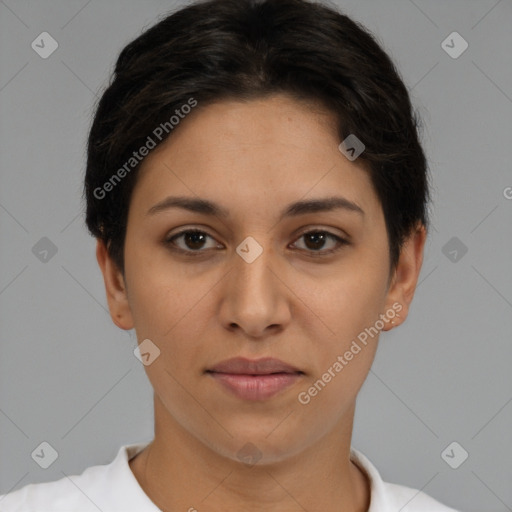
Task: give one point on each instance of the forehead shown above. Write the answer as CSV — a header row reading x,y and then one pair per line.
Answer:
x,y
235,126
274,148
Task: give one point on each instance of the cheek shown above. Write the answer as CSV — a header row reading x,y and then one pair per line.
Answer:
x,y
171,309
156,292
349,300
348,306
344,353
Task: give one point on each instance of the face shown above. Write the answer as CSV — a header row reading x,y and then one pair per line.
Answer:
x,y
259,278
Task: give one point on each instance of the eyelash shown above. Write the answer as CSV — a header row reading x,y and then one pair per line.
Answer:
x,y
340,241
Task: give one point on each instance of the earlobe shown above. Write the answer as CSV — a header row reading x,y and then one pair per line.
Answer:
x,y
405,278
115,288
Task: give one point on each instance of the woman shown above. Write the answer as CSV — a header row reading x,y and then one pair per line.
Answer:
x,y
259,197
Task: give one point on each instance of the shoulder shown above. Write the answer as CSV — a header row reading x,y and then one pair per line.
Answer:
x,y
101,487
407,499
67,493
388,497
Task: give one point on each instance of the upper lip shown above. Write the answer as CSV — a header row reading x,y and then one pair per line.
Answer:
x,y
263,366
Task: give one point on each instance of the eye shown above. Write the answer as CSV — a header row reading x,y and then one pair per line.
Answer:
x,y
193,240
316,240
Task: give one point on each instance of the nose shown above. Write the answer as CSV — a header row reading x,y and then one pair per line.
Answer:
x,y
255,299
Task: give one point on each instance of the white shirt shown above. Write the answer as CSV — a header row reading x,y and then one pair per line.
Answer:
x,y
114,488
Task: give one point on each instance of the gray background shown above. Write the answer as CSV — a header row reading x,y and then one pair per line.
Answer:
x,y
68,375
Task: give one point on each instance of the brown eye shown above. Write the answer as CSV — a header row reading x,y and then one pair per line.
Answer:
x,y
316,241
192,240
195,242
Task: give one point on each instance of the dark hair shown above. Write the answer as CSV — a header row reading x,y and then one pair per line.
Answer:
x,y
247,49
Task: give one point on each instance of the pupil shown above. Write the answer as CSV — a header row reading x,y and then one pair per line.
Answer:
x,y
318,240
194,240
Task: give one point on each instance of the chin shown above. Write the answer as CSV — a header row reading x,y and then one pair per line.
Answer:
x,y
254,445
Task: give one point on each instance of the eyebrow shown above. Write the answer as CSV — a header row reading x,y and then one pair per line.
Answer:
x,y
207,207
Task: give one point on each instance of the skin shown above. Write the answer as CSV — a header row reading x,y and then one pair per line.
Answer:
x,y
254,159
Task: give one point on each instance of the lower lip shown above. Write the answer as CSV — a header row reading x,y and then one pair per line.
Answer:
x,y
256,387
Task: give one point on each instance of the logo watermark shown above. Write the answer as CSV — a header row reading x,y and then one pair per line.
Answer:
x,y
304,397
137,156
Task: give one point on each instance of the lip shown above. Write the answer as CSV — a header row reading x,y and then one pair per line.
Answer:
x,y
257,379
263,366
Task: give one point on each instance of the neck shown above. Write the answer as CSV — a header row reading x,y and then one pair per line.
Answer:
x,y
179,472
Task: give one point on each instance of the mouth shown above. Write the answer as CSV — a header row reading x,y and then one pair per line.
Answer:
x,y
263,366
255,379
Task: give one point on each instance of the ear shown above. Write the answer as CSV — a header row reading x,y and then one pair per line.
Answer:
x,y
115,287
405,277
